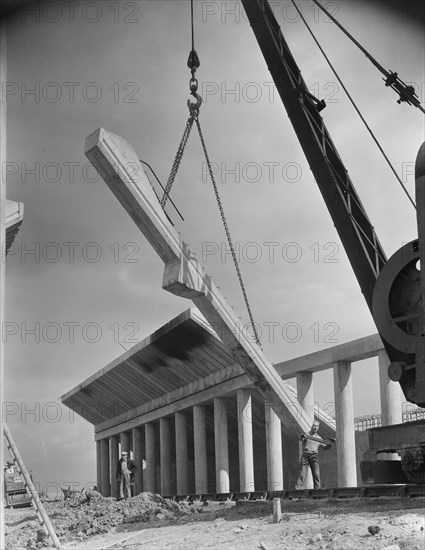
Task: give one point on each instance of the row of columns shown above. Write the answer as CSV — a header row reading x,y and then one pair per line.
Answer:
x,y
391,411
108,449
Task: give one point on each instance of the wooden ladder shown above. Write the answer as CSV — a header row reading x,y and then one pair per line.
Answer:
x,y
36,502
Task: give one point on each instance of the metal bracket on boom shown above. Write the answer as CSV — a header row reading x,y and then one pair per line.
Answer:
x,y
406,92
320,103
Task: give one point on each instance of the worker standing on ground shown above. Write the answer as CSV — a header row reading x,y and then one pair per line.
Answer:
x,y
310,457
125,469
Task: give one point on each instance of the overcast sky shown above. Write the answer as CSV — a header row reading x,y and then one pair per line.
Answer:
x,y
122,65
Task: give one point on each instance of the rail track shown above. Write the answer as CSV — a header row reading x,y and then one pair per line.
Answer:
x,y
373,491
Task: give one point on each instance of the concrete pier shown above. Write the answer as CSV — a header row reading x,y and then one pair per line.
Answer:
x,y
203,427
114,456
138,454
390,392
344,414
165,455
149,480
104,468
221,446
273,450
181,453
305,397
98,466
246,452
200,449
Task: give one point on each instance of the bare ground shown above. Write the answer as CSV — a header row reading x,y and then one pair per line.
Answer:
x,y
154,523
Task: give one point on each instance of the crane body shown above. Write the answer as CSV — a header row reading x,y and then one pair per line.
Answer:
x,y
394,290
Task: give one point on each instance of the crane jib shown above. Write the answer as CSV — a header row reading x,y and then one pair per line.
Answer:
x,y
355,230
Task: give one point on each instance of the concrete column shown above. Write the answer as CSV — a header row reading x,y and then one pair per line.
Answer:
x,y
305,397
138,448
181,453
104,468
305,393
150,471
114,457
273,450
200,449
391,400
221,446
344,416
98,466
246,452
125,442
165,455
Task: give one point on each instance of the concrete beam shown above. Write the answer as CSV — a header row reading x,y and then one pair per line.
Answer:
x,y
231,379
119,166
356,350
175,401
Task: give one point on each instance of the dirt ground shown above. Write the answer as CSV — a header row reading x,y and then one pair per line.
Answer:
x,y
150,522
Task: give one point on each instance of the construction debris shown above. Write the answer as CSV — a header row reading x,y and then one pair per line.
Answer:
x,y
89,514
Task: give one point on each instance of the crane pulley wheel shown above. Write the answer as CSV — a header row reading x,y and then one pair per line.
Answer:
x,y
397,299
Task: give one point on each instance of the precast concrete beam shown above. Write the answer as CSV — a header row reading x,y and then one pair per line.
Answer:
x,y
119,166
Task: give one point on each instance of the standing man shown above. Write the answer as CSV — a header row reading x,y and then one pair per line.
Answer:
x,y
310,457
125,469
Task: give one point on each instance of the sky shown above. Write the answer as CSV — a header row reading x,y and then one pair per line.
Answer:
x,y
83,285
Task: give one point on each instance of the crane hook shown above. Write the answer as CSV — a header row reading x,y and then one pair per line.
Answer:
x,y
194,107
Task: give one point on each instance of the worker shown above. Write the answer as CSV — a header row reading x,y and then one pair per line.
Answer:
x,y
310,457
125,470
10,467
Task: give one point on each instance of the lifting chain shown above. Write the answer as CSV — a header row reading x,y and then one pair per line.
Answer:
x,y
229,239
193,63
177,160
